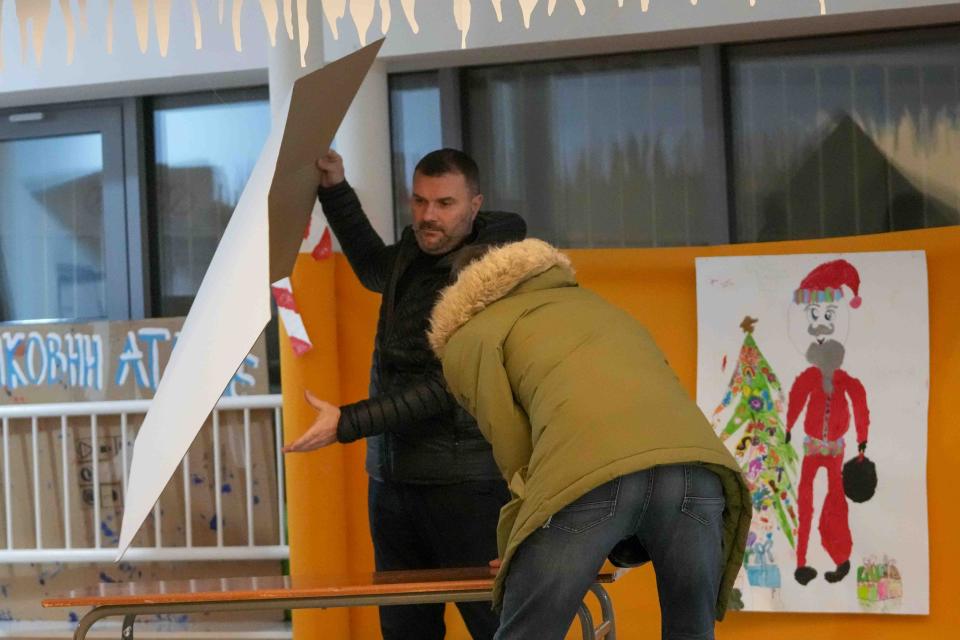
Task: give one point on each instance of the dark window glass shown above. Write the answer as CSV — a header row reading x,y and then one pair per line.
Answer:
x,y
599,152
414,132
63,245
846,136
205,147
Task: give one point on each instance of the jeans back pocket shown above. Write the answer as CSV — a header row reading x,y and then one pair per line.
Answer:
x,y
589,510
704,510
703,494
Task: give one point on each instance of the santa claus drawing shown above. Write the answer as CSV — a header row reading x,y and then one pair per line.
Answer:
x,y
821,311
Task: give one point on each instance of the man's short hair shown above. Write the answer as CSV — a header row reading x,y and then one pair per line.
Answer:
x,y
444,161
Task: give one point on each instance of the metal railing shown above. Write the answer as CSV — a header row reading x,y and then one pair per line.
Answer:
x,y
65,422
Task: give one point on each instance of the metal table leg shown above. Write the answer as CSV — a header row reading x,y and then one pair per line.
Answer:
x,y
127,631
608,625
606,628
586,622
94,615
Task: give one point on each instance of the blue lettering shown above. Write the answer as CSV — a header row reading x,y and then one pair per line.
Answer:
x,y
35,345
74,360
15,377
242,376
152,338
93,367
132,357
56,357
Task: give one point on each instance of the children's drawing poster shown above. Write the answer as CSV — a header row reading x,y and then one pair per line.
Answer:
x,y
815,370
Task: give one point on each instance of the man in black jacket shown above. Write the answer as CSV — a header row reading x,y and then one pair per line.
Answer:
x,y
435,491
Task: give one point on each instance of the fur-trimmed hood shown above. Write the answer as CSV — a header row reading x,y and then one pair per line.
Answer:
x,y
488,279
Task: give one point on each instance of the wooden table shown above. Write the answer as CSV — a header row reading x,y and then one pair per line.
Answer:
x,y
131,599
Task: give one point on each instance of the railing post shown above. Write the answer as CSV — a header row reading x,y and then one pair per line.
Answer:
x,y
217,479
281,478
95,463
37,517
64,453
248,474
8,503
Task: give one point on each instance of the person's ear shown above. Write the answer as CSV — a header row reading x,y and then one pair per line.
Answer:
x,y
475,203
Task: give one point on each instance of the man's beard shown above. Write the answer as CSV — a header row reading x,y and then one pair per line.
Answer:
x,y
827,355
429,244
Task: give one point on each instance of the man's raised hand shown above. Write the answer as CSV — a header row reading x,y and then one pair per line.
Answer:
x,y
330,165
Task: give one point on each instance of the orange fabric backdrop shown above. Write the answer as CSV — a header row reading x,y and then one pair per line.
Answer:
x,y
327,490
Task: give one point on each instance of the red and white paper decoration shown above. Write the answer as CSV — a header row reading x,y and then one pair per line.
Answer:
x,y
290,317
316,239
318,243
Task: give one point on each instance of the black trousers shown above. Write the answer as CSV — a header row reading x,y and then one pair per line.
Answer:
x,y
434,527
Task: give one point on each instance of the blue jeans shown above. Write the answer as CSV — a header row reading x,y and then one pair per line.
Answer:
x,y
674,511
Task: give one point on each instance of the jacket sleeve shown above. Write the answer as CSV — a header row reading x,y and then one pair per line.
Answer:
x,y
474,370
396,412
861,413
370,258
799,394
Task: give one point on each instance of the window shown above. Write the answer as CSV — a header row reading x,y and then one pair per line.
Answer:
x,y
63,244
846,136
414,131
601,152
74,243
204,148
802,139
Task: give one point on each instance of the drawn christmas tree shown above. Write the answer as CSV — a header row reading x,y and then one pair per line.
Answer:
x,y
769,463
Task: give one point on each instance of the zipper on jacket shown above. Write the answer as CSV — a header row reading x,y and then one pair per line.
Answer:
x,y
826,416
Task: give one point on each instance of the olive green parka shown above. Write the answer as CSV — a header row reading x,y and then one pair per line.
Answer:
x,y
571,392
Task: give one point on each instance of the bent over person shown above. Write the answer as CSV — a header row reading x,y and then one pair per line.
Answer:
x,y
604,452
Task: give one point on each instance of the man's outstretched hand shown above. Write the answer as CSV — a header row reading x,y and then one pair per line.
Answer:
x,y
330,165
322,432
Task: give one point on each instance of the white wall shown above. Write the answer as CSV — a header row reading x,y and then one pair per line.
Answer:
x,y
95,73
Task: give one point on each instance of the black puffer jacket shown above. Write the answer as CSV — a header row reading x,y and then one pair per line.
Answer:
x,y
416,431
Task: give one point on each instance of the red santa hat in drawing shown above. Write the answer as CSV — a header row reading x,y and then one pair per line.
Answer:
x,y
826,282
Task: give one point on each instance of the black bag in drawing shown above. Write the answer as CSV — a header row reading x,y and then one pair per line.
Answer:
x,y
859,478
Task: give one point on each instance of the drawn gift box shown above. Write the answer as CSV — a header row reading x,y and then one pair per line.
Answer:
x,y
867,591
889,589
893,573
764,573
